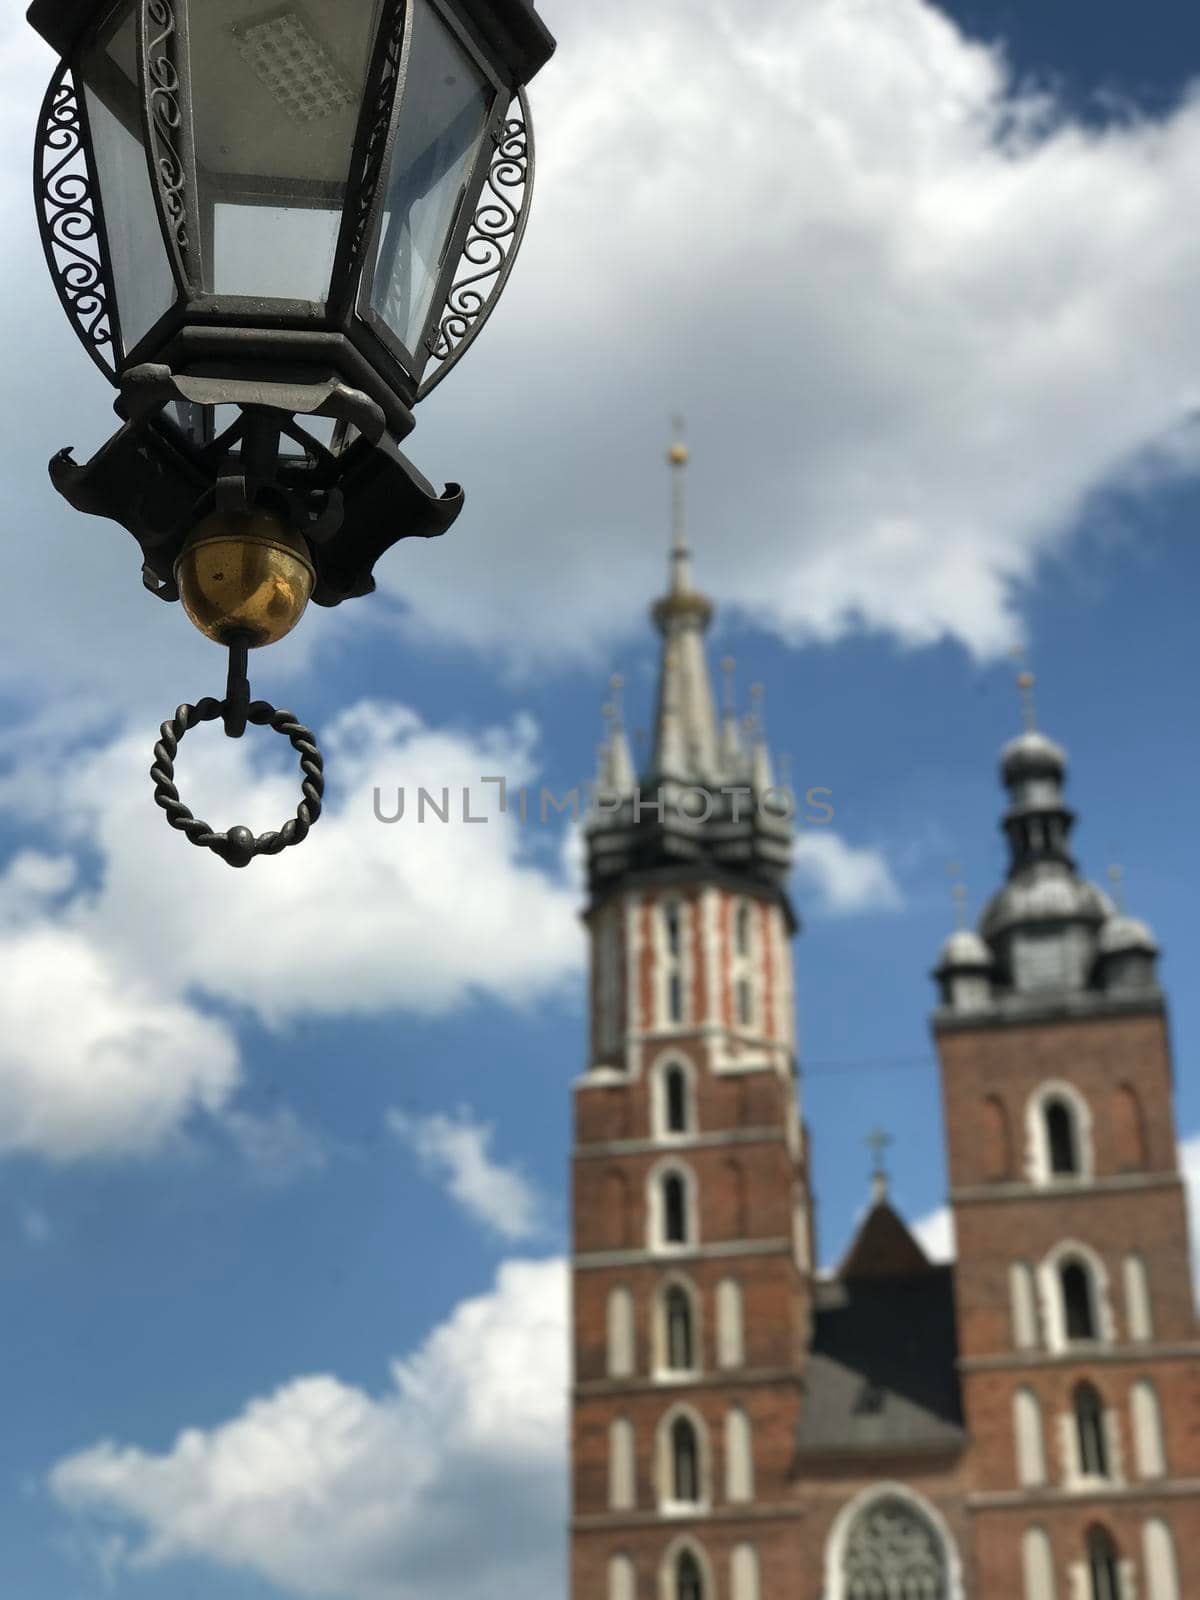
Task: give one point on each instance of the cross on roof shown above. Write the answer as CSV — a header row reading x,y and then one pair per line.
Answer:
x,y
878,1143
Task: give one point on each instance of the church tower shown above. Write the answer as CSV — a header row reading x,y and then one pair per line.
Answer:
x,y
692,1219
1077,1334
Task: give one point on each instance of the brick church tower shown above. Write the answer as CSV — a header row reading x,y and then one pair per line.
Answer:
x,y
1024,1425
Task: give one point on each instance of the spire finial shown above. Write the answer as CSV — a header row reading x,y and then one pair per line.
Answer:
x,y
678,457
878,1144
1116,876
729,686
958,891
616,685
1026,683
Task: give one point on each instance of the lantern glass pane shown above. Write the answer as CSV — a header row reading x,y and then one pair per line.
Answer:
x,y
276,91
443,117
142,277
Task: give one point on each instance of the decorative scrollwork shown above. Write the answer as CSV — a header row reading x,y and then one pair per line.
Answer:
x,y
378,127
166,119
72,236
893,1551
491,245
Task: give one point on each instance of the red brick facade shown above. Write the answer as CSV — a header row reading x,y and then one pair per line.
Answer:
x,y
747,1219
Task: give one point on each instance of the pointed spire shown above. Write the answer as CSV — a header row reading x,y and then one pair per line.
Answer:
x,y
731,735
1116,876
762,775
682,616
620,763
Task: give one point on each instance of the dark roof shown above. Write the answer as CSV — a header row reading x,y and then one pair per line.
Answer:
x,y
882,1371
883,1248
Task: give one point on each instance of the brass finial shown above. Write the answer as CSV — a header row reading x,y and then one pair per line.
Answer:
x,y
678,455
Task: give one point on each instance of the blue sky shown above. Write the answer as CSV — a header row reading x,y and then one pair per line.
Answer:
x,y
932,313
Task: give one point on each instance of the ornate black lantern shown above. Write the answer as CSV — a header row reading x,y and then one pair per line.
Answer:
x,y
258,213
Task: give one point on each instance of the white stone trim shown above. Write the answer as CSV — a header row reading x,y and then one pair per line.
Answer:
x,y
745,1573
1037,1564
1149,1447
1037,1150
1023,1306
622,1578
1054,1316
835,1545
739,1456
656,1240
1029,1439
620,1333
1139,1310
664,1464
661,1371
731,1325
1161,1561
622,1465
661,1065
666,1570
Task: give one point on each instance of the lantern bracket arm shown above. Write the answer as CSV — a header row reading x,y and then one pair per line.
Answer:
x,y
146,389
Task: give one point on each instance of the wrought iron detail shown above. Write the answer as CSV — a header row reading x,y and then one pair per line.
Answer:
x,y
378,125
894,1554
491,245
164,121
71,226
239,846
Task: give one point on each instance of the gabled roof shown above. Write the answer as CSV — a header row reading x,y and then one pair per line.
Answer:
x,y
883,1248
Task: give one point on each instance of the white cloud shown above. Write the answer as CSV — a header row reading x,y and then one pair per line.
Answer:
x,y
277,1147
850,879
935,1234
452,1483
912,331
365,917
455,1151
95,1059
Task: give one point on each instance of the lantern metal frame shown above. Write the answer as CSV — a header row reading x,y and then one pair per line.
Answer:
x,y
303,358
275,361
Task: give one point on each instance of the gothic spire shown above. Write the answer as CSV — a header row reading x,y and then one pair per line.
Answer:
x,y
685,733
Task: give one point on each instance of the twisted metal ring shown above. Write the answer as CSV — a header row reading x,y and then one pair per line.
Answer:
x,y
238,847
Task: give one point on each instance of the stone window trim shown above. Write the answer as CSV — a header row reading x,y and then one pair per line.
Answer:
x,y
669,1567
672,1061
843,1525
1066,1254
676,1283
1039,1156
657,1178
669,1504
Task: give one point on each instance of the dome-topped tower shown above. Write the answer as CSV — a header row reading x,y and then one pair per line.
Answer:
x,y
1049,934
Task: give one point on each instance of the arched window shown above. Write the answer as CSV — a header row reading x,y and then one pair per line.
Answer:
x,y
674,1208
1037,1558
1103,1571
745,1003
1079,1301
1147,1430
672,919
676,1095
689,1581
742,930
685,1462
892,1550
620,1333
680,1336
1030,1439
1062,1139
1090,1438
